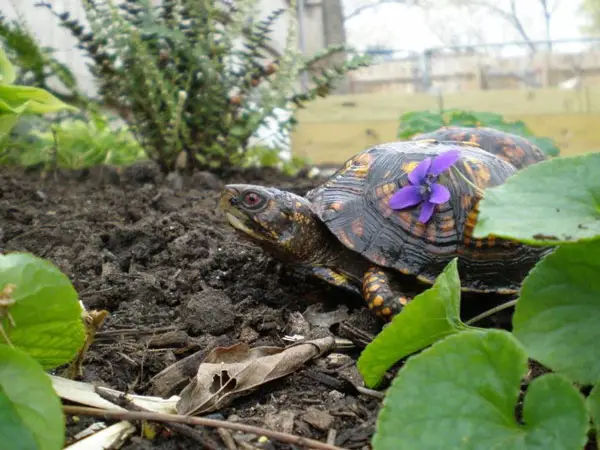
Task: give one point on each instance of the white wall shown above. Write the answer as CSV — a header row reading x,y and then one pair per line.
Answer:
x,y
45,26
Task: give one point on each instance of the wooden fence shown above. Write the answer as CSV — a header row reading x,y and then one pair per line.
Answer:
x,y
331,130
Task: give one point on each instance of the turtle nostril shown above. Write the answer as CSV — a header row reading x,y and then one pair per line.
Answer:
x,y
233,201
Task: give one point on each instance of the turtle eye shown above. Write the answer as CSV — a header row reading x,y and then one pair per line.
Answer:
x,y
252,200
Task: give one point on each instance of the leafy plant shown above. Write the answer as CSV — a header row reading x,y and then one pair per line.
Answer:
x,y
463,391
188,75
74,143
416,122
36,64
17,100
41,328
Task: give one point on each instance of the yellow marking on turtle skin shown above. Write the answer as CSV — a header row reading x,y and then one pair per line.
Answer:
x,y
409,166
448,224
479,243
491,241
388,188
374,287
406,218
361,172
377,300
403,301
357,226
386,311
482,176
298,205
337,279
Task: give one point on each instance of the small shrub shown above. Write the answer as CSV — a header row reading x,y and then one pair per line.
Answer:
x,y
416,122
188,75
463,391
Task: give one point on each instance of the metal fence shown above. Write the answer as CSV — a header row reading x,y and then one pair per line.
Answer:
x,y
568,63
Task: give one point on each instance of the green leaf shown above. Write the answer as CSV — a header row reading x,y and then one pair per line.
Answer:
x,y
46,310
429,317
593,404
461,393
552,202
31,100
7,71
558,312
31,416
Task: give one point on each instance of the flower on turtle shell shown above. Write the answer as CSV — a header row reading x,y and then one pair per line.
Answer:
x,y
423,188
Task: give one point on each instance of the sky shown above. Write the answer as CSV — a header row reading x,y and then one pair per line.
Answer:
x,y
403,27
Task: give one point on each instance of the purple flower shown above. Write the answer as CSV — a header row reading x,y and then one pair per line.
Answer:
x,y
422,188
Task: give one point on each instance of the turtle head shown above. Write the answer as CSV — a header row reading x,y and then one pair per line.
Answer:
x,y
281,222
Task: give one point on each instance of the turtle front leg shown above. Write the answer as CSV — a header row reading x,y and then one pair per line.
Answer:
x,y
382,299
335,278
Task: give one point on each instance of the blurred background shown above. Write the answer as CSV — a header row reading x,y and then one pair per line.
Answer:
x,y
534,64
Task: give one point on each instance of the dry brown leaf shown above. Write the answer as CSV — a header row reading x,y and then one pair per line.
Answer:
x,y
230,372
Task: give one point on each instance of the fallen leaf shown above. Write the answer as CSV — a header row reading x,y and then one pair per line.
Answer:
x,y
230,372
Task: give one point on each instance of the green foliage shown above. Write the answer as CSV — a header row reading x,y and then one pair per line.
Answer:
x,y
187,75
558,312
31,415
593,404
17,100
416,122
552,202
41,328
36,64
428,318
590,12
259,156
462,393
44,315
74,143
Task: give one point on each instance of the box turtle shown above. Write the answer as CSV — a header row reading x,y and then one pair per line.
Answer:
x,y
387,223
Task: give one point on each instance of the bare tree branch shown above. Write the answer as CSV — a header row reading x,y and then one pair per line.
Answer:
x,y
362,8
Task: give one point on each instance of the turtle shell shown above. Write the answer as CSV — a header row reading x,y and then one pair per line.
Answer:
x,y
512,148
353,204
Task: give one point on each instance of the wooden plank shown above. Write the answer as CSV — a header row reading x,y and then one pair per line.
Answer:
x,y
385,106
335,141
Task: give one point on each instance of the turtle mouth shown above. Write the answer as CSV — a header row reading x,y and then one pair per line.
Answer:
x,y
236,218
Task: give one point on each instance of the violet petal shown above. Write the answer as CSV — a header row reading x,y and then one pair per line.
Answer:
x,y
405,197
444,161
439,194
426,212
418,173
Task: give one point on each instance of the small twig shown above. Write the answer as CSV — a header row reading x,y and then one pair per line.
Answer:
x,y
370,392
492,311
175,418
186,430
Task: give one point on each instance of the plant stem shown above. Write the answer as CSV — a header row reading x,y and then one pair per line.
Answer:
x,y
469,182
491,311
175,418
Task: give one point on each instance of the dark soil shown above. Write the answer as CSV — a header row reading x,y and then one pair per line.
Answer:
x,y
157,254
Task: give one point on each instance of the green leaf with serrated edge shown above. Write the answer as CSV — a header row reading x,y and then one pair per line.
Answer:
x,y
7,71
461,393
429,317
558,312
551,202
593,404
46,310
31,416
